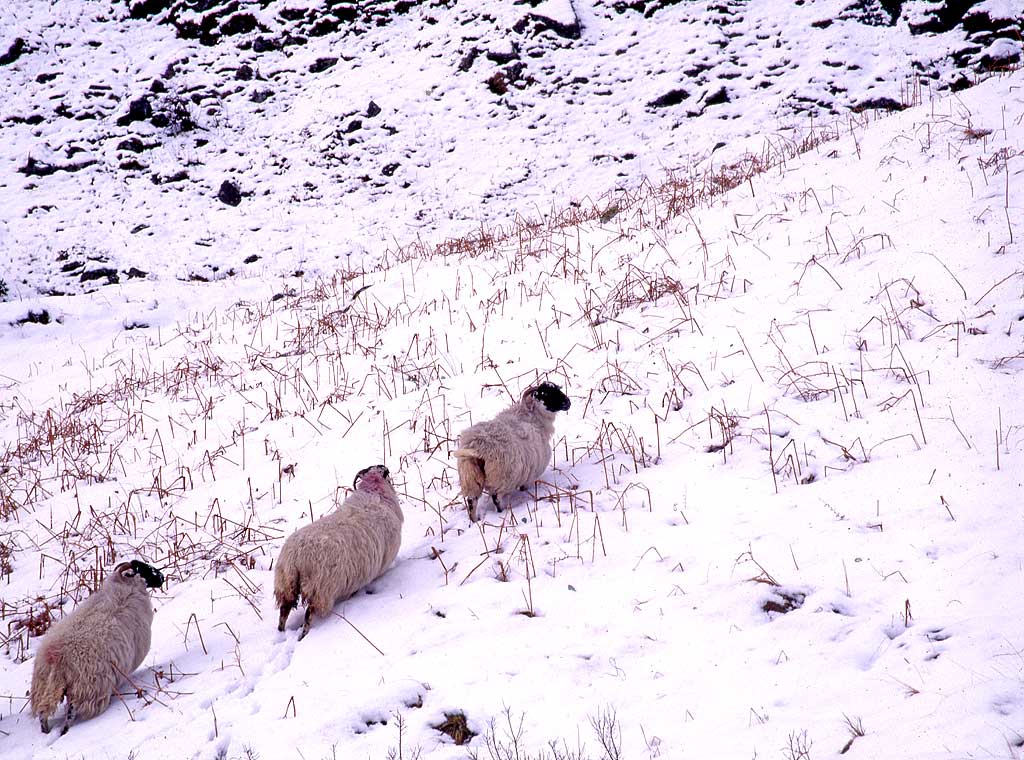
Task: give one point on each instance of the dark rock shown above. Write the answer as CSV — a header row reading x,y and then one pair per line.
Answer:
x,y
178,176
72,266
252,259
33,119
157,87
670,98
496,83
469,59
942,17
718,97
99,274
260,96
325,25
33,168
148,8
539,24
138,110
322,64
229,193
872,12
265,45
502,58
136,274
390,169
353,126
244,72
174,114
372,110
132,165
882,104
34,318
205,30
134,145
14,52
48,77
240,23
960,83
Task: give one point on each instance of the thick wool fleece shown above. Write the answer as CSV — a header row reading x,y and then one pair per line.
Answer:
x,y
511,451
340,553
88,653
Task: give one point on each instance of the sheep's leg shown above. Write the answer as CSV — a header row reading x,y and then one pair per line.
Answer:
x,y
44,724
307,621
286,609
471,507
497,504
68,717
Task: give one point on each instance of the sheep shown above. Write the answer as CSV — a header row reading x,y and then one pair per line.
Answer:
x,y
335,556
511,451
89,652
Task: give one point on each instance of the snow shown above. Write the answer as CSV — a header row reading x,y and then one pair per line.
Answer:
x,y
785,501
445,153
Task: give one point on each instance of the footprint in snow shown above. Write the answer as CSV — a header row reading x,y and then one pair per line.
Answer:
x,y
934,637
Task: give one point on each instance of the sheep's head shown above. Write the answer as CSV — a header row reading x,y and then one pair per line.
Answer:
x,y
375,471
551,396
152,577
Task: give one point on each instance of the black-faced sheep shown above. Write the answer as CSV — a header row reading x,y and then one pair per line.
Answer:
x,y
340,553
88,653
511,451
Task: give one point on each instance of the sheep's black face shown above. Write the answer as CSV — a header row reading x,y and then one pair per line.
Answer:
x,y
378,468
153,577
552,397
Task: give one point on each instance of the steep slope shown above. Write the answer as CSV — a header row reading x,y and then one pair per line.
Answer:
x,y
782,517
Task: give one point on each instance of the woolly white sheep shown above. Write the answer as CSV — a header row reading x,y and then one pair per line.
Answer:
x,y
511,451
335,556
85,655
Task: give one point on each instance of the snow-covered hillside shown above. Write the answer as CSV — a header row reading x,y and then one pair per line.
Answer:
x,y
782,519
346,128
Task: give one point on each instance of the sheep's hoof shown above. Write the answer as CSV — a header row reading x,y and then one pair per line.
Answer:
x,y
68,717
307,622
44,725
471,508
497,504
285,611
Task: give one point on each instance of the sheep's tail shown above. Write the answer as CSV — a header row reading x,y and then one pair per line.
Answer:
x,y
471,471
287,585
48,687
